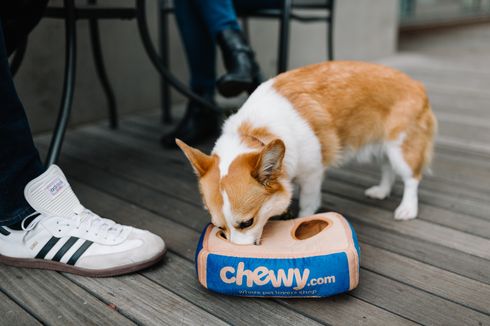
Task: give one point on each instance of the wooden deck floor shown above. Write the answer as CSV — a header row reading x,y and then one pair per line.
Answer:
x,y
434,270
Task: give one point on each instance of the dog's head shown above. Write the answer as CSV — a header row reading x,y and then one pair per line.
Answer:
x,y
253,189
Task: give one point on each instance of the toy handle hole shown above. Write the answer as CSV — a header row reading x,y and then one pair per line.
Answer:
x,y
308,229
221,234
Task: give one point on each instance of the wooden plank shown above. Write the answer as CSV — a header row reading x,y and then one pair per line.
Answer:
x,y
463,120
457,172
194,216
468,160
449,178
146,302
95,147
470,134
415,304
464,204
465,177
342,313
232,313
451,260
191,213
448,218
13,314
469,146
456,288
475,80
461,204
417,228
463,154
145,128
453,92
427,231
462,103
467,265
53,299
179,274
456,313
182,240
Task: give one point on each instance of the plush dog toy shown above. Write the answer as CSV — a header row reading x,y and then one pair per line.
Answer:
x,y
314,256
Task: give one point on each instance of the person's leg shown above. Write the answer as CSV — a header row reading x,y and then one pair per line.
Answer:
x,y
199,46
19,159
221,14
198,123
62,234
243,73
18,18
218,15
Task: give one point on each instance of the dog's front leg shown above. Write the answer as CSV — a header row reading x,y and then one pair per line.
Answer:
x,y
310,192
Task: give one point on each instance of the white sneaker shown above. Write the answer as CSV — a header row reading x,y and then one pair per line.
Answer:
x,y
68,237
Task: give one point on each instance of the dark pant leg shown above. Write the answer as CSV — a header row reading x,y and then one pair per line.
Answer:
x,y
18,18
221,14
217,15
199,22
19,159
199,46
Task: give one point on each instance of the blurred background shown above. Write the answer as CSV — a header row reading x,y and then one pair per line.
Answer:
x,y
401,33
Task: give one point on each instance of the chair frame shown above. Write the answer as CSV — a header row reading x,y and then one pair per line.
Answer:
x,y
71,14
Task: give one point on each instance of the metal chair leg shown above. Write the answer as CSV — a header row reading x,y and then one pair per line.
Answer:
x,y
330,26
282,63
100,69
18,57
157,61
164,54
68,85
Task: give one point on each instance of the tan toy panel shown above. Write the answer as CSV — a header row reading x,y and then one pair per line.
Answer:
x,y
308,236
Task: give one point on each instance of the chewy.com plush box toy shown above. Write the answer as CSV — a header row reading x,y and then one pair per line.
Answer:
x,y
314,256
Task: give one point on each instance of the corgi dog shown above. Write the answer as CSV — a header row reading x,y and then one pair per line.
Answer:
x,y
296,125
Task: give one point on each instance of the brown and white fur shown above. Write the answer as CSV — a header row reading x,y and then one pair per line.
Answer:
x,y
299,123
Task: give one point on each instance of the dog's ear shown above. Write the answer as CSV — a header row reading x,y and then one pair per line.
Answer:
x,y
199,161
269,163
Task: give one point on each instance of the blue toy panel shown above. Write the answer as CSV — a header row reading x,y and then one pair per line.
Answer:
x,y
278,277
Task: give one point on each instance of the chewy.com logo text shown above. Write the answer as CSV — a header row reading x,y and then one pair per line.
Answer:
x,y
262,276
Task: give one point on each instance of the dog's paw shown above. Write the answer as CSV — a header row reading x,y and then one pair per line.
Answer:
x,y
377,192
406,212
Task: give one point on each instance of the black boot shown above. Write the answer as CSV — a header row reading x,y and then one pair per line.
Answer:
x,y
243,73
198,125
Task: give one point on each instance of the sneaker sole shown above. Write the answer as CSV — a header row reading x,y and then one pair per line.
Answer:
x,y
62,267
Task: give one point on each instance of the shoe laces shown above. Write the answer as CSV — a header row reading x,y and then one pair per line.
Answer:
x,y
31,225
96,225
84,219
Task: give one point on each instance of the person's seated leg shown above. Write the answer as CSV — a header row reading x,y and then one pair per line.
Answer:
x,y
243,73
42,223
199,123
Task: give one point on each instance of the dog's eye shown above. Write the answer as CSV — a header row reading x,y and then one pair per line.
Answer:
x,y
246,224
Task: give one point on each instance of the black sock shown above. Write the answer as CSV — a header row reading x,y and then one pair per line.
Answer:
x,y
18,226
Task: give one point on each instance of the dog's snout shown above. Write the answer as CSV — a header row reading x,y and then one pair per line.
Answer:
x,y
241,238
